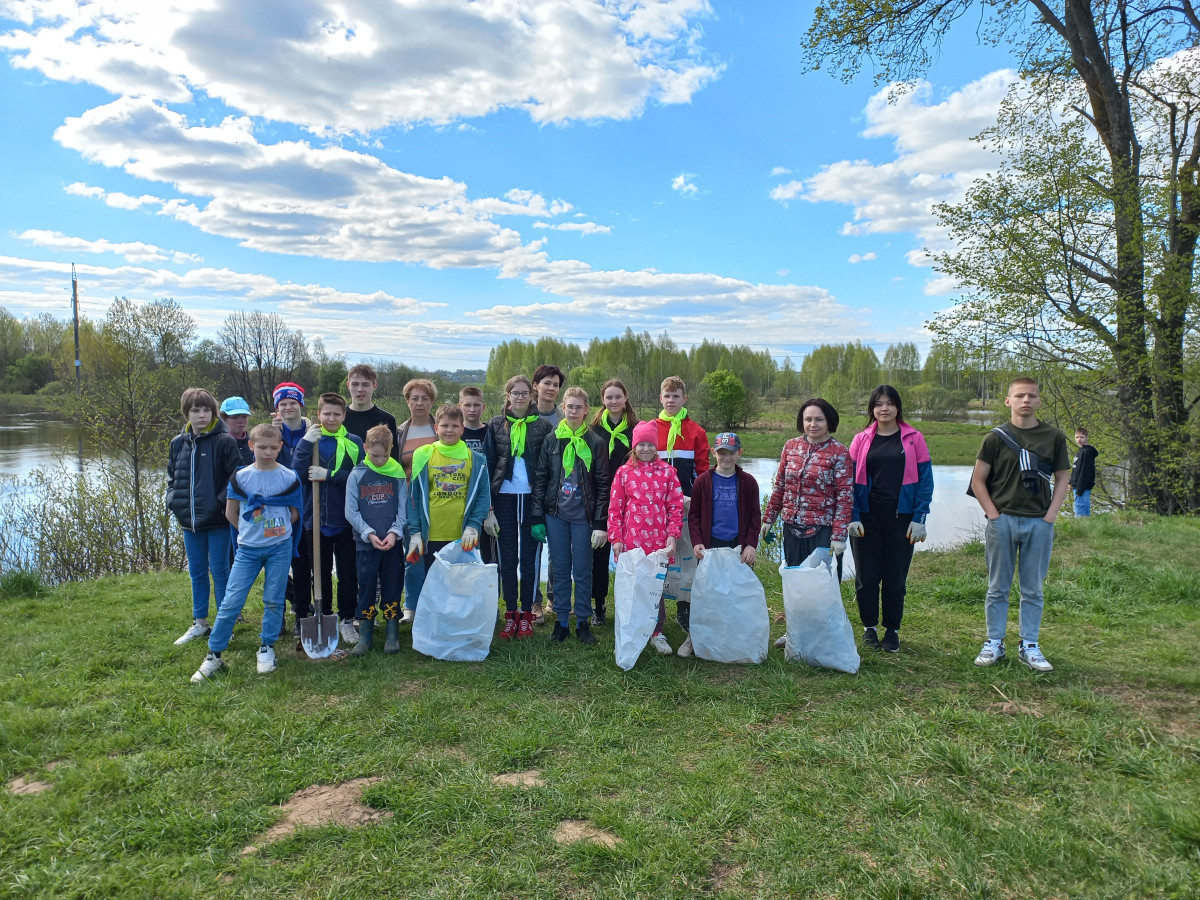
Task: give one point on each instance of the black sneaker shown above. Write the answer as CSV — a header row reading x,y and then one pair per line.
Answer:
x,y
560,633
583,631
891,641
599,615
870,639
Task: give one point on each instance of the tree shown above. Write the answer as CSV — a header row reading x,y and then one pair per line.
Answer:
x,y
1096,213
262,351
902,365
590,378
726,396
786,376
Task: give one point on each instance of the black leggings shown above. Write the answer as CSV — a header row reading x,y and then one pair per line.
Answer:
x,y
600,559
517,546
881,560
796,549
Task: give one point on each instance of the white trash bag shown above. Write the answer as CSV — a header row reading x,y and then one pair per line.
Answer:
x,y
636,592
818,629
456,615
682,572
730,622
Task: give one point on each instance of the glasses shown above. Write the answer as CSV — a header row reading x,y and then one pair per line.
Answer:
x,y
575,407
518,395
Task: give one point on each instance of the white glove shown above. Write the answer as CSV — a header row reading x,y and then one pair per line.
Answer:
x,y
470,538
317,473
838,547
916,532
313,434
599,539
416,548
855,529
491,525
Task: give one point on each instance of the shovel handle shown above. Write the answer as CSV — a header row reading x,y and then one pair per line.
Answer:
x,y
316,566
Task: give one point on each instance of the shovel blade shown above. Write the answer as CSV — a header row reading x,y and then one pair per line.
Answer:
x,y
319,636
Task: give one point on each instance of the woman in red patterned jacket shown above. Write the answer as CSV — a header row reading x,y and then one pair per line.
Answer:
x,y
813,492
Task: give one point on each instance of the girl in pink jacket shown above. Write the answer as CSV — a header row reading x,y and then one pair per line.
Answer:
x,y
645,509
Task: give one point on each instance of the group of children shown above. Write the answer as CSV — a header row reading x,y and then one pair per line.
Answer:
x,y
391,496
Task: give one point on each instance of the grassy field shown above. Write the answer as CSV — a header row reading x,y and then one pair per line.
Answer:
x,y
950,443
921,776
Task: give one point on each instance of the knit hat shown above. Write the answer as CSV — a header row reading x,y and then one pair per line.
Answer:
x,y
235,406
645,432
286,390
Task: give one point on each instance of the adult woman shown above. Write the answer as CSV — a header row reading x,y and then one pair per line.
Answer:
x,y
517,435
893,484
416,431
813,491
613,424
570,509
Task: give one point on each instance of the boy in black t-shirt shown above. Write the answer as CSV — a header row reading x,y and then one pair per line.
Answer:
x,y
362,415
1014,489
478,437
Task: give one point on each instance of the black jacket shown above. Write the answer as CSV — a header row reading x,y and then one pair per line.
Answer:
x,y
1083,473
501,467
548,479
198,470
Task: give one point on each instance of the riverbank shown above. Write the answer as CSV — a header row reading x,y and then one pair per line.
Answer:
x,y
920,776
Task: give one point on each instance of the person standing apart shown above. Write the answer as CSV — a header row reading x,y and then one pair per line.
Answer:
x,y
1013,485
1083,473
893,484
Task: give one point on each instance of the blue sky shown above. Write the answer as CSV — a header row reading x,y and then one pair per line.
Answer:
x,y
420,180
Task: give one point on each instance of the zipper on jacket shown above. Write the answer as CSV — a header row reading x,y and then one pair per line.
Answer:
x,y
192,484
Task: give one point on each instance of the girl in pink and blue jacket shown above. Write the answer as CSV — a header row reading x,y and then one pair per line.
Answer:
x,y
893,484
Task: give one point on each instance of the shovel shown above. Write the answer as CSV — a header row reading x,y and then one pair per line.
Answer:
x,y
318,633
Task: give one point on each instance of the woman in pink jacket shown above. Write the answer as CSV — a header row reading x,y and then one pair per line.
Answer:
x,y
645,509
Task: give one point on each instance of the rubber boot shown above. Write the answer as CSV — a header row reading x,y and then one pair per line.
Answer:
x,y
391,643
366,636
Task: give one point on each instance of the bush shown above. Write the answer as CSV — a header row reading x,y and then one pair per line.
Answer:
x,y
21,583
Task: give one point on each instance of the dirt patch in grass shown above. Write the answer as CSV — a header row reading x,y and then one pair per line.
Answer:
x,y
1176,713
22,785
324,804
572,831
1012,708
410,689
531,778
54,764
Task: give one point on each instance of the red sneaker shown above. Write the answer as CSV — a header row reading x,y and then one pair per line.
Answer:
x,y
524,625
510,627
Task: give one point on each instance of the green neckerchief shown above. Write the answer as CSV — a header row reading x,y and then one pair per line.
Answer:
x,y
344,446
390,469
205,430
422,454
620,433
576,446
676,428
516,433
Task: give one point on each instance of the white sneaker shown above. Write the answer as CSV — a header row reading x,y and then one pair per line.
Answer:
x,y
408,615
266,659
780,642
211,666
659,643
1031,655
348,632
200,628
685,649
992,653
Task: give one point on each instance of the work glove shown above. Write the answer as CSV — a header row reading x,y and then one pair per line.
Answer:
x,y
470,538
539,533
837,547
317,473
491,525
313,434
916,532
749,554
416,549
768,536
599,538
855,529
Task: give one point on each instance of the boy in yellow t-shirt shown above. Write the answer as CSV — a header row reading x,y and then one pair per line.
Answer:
x,y
450,491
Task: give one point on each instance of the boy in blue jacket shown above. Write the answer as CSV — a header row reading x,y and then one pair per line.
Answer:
x,y
450,491
327,455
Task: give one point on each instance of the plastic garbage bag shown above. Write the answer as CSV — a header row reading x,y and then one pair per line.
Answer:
x,y
636,592
730,623
456,617
818,629
682,572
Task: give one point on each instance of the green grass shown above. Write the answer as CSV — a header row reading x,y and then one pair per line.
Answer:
x,y
950,443
919,777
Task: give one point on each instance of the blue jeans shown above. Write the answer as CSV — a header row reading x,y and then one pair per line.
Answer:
x,y
414,580
275,561
571,559
1083,503
1005,539
208,550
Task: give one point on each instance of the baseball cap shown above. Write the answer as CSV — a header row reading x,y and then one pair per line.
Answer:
x,y
235,406
727,440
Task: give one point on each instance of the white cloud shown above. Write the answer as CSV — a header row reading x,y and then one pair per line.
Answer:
x,y
780,170
785,192
856,258
683,184
361,65
941,286
133,251
581,227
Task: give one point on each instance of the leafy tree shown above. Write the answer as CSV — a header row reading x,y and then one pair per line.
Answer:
x,y
902,365
726,398
590,378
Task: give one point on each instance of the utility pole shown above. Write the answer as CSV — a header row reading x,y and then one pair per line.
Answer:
x,y
75,315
